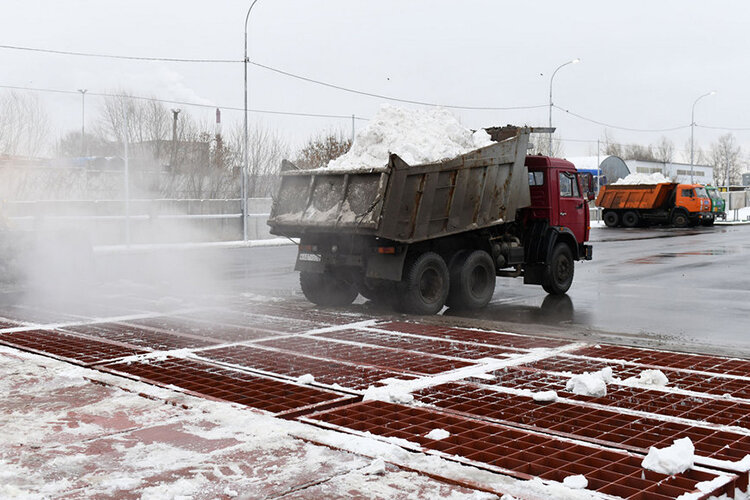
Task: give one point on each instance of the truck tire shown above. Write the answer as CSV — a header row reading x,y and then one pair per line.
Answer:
x,y
611,219
630,219
680,219
558,272
327,289
472,280
425,285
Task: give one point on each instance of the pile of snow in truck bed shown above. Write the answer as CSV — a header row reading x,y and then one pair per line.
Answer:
x,y
655,178
417,136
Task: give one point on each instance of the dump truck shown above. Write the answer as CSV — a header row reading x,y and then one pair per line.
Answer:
x,y
718,204
631,205
419,237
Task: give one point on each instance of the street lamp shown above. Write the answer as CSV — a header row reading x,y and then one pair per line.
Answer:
x,y
245,165
574,61
692,133
83,120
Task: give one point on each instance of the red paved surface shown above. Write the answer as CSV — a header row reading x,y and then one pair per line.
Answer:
x,y
493,430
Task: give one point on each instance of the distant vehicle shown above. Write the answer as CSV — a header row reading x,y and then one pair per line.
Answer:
x,y
631,205
718,204
423,236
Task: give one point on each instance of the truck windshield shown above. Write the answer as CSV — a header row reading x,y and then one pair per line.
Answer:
x,y
713,193
700,192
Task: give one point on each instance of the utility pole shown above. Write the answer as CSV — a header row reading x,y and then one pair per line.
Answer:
x,y
692,129
574,61
352,129
175,113
127,181
245,166
83,121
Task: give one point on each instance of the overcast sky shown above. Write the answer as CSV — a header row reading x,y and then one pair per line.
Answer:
x,y
643,62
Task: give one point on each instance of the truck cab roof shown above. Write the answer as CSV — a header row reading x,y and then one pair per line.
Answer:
x,y
538,161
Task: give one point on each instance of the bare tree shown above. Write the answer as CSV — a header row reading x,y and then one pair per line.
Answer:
x,y
23,125
664,150
726,158
266,150
321,149
611,147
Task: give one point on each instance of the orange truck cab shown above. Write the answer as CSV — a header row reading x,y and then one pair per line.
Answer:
x,y
631,205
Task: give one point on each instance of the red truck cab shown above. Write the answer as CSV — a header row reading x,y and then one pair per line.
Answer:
x,y
560,195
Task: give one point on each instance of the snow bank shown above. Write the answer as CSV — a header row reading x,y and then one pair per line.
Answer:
x,y
671,460
391,393
417,136
655,178
590,384
648,377
305,379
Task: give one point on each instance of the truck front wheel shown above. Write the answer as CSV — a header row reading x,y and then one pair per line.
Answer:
x,y
558,273
610,218
472,280
680,219
424,287
327,289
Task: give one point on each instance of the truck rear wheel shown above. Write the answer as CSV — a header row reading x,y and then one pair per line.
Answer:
x,y
424,287
472,280
680,219
611,219
327,289
630,219
558,272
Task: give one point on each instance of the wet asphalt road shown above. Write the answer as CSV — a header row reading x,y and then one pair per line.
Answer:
x,y
675,285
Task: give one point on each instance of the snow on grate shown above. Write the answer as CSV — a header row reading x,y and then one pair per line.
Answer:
x,y
518,452
139,337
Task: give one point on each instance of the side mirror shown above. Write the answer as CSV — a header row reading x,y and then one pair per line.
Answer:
x,y
587,182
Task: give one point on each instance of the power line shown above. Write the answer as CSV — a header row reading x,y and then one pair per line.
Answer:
x,y
723,128
275,70
670,129
182,103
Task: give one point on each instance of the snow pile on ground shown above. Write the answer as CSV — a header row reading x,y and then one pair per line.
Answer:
x,y
394,392
437,434
671,460
305,379
590,383
577,482
655,178
417,136
545,396
648,377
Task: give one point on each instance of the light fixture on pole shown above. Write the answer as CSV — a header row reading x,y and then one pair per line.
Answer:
x,y
246,162
692,134
83,121
574,61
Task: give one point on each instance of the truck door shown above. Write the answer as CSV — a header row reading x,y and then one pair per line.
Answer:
x,y
572,206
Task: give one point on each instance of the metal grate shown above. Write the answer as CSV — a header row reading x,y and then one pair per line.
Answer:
x,y
420,344
479,336
716,411
275,396
696,362
596,425
295,365
211,330
714,383
388,359
80,350
520,453
140,337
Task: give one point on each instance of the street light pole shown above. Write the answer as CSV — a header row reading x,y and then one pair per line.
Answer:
x,y
574,61
246,163
83,121
692,134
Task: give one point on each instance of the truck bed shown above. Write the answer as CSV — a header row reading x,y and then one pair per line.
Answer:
x,y
634,196
409,203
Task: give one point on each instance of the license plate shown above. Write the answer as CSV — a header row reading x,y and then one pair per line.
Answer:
x,y
310,257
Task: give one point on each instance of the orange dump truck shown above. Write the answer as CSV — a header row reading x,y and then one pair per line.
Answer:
x,y
632,205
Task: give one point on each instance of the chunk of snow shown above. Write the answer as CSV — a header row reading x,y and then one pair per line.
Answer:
x,y
305,379
545,396
391,393
417,136
437,434
376,468
673,459
577,482
590,383
655,178
649,377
